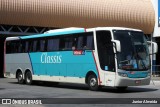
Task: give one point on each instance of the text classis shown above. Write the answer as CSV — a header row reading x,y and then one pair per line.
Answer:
x,y
51,59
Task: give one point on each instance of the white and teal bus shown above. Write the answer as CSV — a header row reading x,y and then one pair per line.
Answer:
x,y
102,56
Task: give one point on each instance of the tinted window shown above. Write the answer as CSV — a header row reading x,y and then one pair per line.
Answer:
x,y
14,46
34,46
26,46
105,50
78,41
85,41
53,44
66,43
8,47
42,45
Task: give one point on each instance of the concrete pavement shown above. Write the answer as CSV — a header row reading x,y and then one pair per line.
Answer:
x,y
155,80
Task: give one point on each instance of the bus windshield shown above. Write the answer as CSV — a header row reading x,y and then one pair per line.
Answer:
x,y
134,53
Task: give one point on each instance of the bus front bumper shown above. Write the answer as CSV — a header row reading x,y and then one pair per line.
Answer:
x,y
125,81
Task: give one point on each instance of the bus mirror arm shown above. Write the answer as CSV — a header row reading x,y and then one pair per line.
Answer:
x,y
154,48
117,45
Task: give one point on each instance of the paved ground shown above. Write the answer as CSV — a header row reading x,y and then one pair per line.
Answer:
x,y
9,88
156,78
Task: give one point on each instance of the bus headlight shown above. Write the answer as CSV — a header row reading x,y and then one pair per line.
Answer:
x,y
122,74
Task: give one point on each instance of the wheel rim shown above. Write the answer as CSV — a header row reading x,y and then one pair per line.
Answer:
x,y
93,82
28,78
20,77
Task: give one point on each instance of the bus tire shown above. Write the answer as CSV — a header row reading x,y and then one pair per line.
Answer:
x,y
20,78
93,82
28,78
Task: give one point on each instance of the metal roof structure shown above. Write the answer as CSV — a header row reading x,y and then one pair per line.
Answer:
x,y
138,14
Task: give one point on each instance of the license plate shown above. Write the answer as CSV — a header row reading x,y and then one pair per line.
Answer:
x,y
138,81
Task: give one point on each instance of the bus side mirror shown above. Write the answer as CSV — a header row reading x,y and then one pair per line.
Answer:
x,y
154,48
117,45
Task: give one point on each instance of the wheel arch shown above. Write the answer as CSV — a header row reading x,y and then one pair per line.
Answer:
x,y
88,74
19,70
27,70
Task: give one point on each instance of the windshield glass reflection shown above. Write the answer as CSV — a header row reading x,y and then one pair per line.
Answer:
x,y
134,52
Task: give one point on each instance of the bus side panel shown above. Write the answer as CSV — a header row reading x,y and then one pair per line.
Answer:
x,y
17,61
63,64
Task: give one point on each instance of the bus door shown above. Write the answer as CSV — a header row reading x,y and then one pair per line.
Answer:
x,y
106,57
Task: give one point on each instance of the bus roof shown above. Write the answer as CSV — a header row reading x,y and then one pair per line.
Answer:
x,y
71,30
117,28
12,38
56,32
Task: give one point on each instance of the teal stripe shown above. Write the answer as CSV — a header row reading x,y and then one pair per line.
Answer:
x,y
62,63
138,74
80,30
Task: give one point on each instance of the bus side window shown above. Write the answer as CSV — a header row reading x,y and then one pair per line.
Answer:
x,y
14,48
30,45
23,46
85,41
66,43
80,43
34,46
38,46
19,46
26,46
74,44
42,45
90,42
8,47
62,43
53,44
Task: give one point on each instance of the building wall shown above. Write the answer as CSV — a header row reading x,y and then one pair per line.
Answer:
x,y
79,13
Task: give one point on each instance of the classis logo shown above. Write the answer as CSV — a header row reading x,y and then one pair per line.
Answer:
x,y
45,58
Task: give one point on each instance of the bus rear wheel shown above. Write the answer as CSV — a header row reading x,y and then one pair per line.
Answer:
x,y
28,78
20,78
93,83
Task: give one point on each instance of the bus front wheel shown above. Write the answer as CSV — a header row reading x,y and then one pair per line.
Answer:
x,y
93,83
28,78
20,78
